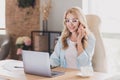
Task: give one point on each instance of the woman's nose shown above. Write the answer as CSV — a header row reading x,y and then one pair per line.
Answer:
x,y
71,23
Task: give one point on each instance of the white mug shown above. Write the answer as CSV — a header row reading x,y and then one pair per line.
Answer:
x,y
86,70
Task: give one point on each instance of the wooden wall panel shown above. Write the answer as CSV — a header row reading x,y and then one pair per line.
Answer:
x,y
21,21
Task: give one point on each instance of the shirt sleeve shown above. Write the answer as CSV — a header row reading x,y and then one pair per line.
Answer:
x,y
84,59
55,56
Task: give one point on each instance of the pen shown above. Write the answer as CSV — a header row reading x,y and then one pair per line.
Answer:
x,y
18,67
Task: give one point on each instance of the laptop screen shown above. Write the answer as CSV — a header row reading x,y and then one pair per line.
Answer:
x,y
37,63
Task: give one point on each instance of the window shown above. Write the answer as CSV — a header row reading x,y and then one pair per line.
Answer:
x,y
109,12
2,16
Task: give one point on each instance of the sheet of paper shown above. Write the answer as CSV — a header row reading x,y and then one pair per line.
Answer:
x,y
7,68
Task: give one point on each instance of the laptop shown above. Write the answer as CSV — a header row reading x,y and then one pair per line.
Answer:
x,y
38,63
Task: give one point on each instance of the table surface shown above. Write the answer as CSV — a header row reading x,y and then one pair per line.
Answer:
x,y
9,72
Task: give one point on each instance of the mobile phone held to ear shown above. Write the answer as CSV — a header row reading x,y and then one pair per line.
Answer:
x,y
78,27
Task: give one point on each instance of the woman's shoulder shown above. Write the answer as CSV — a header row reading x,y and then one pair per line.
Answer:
x,y
59,41
91,36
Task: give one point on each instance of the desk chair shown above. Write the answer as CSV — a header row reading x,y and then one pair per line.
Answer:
x,y
99,57
4,46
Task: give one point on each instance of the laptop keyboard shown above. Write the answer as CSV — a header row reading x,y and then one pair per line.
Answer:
x,y
56,73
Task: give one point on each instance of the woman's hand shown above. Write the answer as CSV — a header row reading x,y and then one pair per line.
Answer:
x,y
81,33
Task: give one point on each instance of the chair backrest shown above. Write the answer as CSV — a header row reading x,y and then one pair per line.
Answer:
x,y
99,57
4,46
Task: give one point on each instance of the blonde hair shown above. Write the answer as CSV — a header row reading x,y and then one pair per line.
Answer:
x,y
66,33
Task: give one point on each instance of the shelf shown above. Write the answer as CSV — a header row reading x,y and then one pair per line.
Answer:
x,y
44,41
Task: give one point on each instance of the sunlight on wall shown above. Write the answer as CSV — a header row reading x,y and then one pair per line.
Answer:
x,y
108,11
2,32
2,13
113,56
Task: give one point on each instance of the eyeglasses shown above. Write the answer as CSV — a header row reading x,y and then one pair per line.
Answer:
x,y
71,20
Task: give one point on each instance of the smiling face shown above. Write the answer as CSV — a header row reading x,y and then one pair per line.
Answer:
x,y
73,19
72,22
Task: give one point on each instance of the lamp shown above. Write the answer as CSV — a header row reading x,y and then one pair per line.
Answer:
x,y
45,9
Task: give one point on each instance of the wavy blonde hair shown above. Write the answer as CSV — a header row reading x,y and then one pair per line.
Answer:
x,y
66,33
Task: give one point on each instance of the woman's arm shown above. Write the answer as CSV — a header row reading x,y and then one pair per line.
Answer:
x,y
55,56
85,57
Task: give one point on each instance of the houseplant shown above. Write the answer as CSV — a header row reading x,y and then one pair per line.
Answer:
x,y
23,43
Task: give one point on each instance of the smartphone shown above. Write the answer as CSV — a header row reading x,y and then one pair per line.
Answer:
x,y
78,28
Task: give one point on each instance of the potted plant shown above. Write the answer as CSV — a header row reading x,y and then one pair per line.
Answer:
x,y
23,43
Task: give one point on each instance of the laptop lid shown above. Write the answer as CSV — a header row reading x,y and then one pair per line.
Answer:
x,y
37,63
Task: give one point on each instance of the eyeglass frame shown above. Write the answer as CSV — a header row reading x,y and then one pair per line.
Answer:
x,y
71,20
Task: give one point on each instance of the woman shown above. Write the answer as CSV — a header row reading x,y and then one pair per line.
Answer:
x,y
75,47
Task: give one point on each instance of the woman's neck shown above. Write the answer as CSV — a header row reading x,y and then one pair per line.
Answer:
x,y
73,37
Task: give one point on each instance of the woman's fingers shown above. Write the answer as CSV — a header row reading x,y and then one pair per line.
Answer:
x,y
81,31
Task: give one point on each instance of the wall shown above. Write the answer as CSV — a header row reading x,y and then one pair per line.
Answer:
x,y
55,21
2,14
21,21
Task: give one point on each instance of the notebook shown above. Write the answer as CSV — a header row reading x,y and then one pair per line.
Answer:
x,y
38,63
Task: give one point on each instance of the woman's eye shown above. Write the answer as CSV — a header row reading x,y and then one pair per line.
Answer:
x,y
74,20
67,20
71,20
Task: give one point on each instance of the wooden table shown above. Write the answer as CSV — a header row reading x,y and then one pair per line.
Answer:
x,y
70,74
18,74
